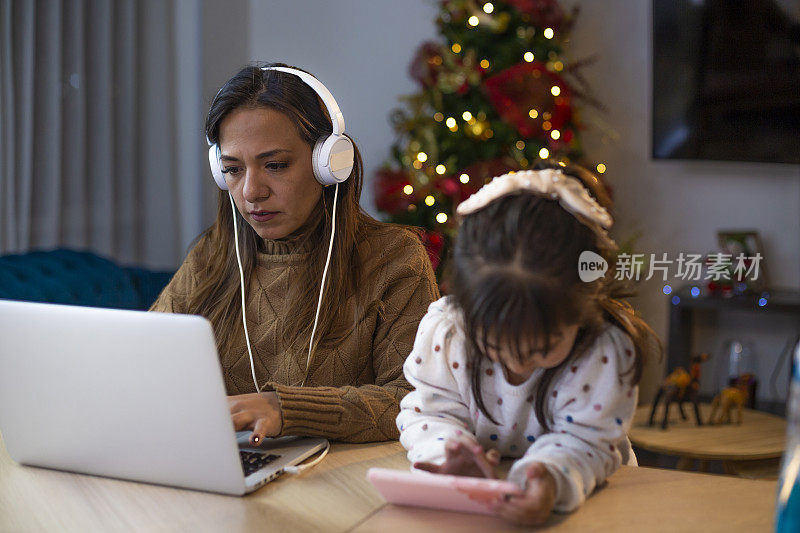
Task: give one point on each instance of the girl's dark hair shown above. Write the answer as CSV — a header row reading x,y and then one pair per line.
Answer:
x,y
515,278
216,296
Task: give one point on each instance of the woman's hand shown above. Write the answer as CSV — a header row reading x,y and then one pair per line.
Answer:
x,y
260,412
534,505
463,459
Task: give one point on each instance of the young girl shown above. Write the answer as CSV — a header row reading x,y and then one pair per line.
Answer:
x,y
525,359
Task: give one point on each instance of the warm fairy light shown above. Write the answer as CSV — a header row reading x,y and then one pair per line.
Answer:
x,y
528,56
555,134
520,145
546,125
601,168
422,157
416,164
456,48
477,129
562,164
473,21
555,90
546,115
466,115
524,162
441,218
533,113
441,169
484,63
559,66
464,178
438,117
429,200
454,128
488,7
548,33
408,189
489,133
450,122
544,153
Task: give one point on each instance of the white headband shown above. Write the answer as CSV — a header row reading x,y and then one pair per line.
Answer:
x,y
569,192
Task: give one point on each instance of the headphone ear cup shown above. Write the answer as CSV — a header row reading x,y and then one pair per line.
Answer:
x,y
332,159
216,169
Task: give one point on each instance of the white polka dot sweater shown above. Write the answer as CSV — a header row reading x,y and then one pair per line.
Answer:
x,y
590,404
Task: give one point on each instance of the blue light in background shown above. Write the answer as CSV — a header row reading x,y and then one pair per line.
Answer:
x,y
762,302
667,289
676,300
695,292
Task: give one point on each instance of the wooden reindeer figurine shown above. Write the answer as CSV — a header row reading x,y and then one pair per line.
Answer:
x,y
729,398
680,386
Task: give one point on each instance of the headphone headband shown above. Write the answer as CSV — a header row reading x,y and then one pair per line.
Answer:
x,y
327,98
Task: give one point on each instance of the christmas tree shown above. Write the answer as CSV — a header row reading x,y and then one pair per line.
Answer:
x,y
496,95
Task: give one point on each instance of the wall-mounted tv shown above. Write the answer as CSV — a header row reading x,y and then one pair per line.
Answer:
x,y
726,80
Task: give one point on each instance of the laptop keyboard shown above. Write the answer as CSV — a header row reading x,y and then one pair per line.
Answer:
x,y
253,461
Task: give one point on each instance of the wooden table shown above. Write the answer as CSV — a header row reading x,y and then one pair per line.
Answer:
x,y
335,496
760,437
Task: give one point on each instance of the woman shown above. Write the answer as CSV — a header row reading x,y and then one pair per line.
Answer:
x,y
379,284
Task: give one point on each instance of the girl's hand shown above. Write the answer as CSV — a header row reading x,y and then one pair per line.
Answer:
x,y
463,459
534,505
259,412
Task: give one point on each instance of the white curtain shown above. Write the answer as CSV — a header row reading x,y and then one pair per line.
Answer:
x,y
101,117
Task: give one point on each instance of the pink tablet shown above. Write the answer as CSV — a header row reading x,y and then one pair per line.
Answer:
x,y
439,491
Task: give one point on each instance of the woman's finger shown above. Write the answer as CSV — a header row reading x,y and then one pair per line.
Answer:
x,y
242,420
261,430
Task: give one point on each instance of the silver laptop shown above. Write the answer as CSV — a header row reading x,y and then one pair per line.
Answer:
x,y
127,394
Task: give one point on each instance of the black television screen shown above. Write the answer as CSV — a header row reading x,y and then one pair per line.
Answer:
x,y
726,80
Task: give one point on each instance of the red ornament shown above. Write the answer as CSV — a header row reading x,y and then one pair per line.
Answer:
x,y
426,65
525,86
388,191
543,13
433,242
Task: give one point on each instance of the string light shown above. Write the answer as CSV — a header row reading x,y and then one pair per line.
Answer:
x,y
488,7
555,90
450,122
408,189
422,157
416,164
440,169
544,153
484,63
601,168
520,145
429,200
466,115
558,65
528,57
438,117
533,113
546,125
441,218
456,48
548,33
473,21
464,178
555,134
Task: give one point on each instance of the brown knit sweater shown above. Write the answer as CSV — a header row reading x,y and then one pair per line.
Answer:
x,y
353,389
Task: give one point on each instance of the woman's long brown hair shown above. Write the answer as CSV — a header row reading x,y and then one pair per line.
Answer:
x,y
217,295
515,276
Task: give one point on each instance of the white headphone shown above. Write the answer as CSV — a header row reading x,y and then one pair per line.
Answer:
x,y
332,157
332,160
